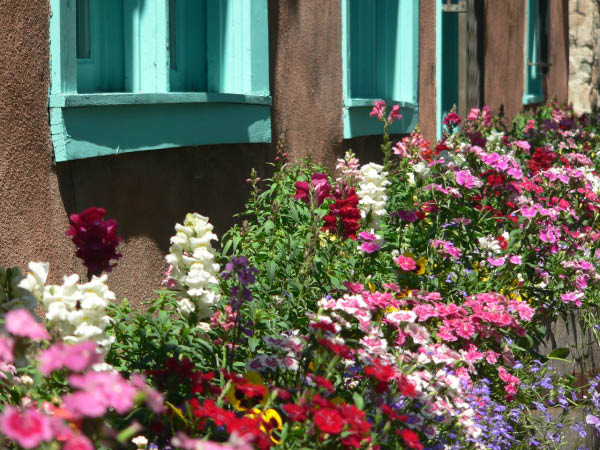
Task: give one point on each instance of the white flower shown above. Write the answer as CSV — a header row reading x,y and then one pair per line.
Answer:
x,y
36,279
140,441
194,271
77,312
185,307
371,192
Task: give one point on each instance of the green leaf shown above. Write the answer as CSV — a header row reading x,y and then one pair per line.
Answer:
x,y
271,267
558,353
358,400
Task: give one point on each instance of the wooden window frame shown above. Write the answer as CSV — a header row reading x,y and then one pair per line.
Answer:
x,y
234,109
357,121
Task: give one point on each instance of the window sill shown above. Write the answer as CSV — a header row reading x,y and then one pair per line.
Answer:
x,y
533,99
90,125
358,122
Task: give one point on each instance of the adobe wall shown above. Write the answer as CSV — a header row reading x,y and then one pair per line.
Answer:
x,y
505,58
584,55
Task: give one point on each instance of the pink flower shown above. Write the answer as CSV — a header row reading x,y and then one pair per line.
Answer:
x,y
99,391
451,120
491,357
406,263
6,349
76,357
370,247
320,187
378,109
497,262
574,297
28,429
465,179
78,442
511,381
515,259
394,114
20,322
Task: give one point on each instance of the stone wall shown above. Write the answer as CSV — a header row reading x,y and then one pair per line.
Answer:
x,y
584,55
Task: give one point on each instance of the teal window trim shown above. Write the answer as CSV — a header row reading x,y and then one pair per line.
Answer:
x,y
388,70
534,73
234,105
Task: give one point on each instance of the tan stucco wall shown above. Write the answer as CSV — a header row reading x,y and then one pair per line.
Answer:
x,y
147,192
505,57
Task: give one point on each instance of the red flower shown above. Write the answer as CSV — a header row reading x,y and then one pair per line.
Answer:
x,y
96,239
343,215
411,438
296,413
541,159
451,120
329,421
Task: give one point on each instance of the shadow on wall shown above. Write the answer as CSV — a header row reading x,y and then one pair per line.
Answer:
x,y
148,192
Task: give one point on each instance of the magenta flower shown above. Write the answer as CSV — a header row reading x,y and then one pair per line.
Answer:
x,y
20,322
378,110
572,297
77,357
406,263
99,392
465,179
28,429
394,114
6,349
515,259
497,262
78,442
320,186
369,247
96,240
452,120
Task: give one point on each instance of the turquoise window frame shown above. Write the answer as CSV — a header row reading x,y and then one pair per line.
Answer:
x,y
149,108
380,57
534,76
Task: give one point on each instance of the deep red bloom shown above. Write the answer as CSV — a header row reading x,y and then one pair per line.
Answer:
x,y
343,215
451,120
541,159
251,390
329,421
95,238
296,413
381,372
411,438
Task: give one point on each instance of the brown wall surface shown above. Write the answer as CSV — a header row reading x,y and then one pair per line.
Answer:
x,y
505,54
557,81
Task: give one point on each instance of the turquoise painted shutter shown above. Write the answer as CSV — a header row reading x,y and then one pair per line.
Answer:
x,y
188,45
381,61
534,78
383,49
238,52
100,46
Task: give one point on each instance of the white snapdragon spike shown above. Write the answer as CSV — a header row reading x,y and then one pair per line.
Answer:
x,y
76,312
35,279
193,268
371,192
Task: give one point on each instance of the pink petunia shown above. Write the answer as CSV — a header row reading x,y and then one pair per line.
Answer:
x,y
20,322
370,247
406,263
28,429
76,357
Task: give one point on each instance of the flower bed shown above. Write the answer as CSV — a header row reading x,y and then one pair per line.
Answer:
x,y
399,305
